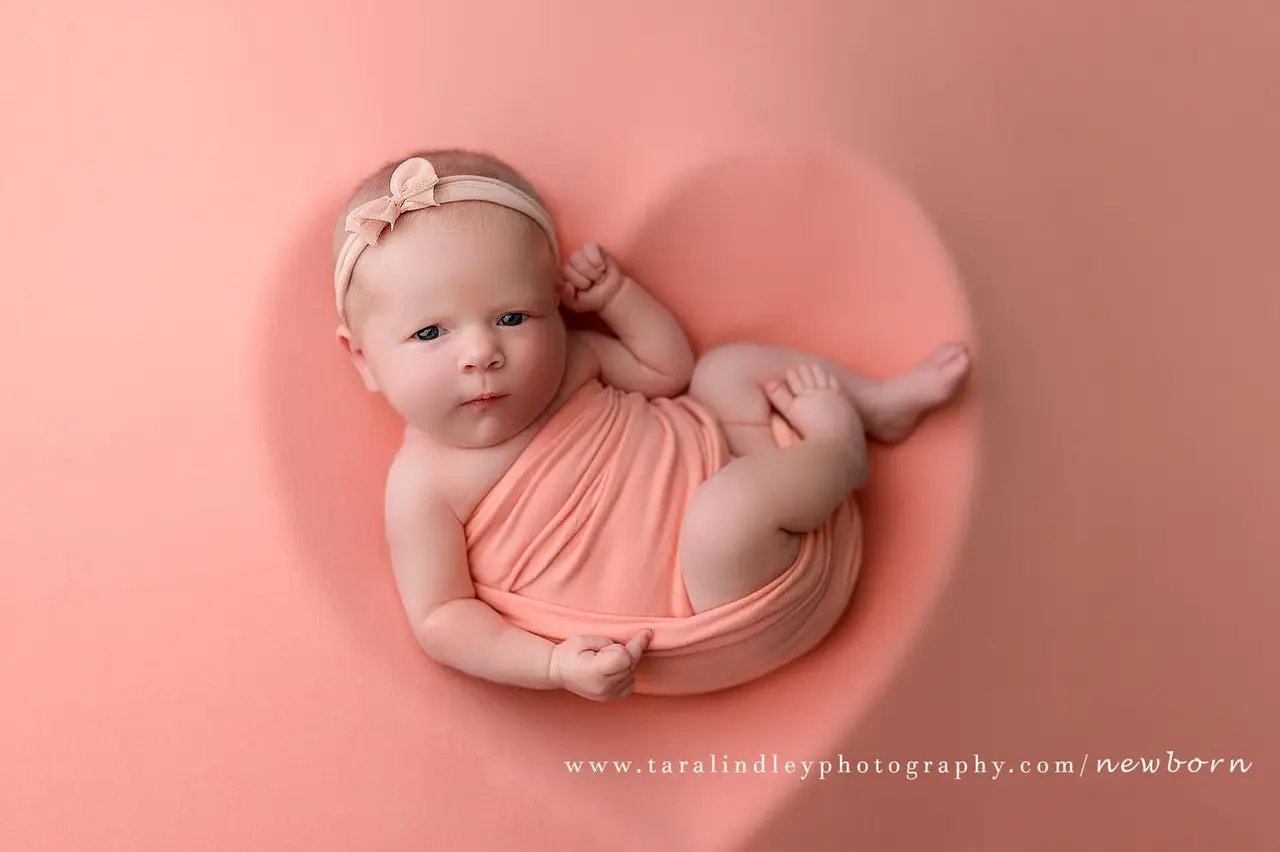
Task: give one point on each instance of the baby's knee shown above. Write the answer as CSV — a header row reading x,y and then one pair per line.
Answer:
x,y
726,358
722,380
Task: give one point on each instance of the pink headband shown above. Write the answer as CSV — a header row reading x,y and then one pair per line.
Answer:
x,y
414,186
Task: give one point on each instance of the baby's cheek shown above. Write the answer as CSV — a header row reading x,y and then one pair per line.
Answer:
x,y
407,389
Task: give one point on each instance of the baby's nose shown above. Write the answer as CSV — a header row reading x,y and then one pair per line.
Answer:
x,y
483,357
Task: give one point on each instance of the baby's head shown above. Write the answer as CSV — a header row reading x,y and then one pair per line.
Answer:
x,y
454,301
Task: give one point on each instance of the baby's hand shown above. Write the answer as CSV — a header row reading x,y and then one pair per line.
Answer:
x,y
598,668
591,280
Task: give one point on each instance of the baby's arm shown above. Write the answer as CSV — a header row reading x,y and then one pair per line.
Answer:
x,y
429,557
651,353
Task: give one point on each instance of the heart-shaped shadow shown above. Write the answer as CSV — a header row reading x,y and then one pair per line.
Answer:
x,y
807,248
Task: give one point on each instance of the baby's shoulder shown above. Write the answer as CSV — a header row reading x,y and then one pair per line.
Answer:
x,y
423,470
420,473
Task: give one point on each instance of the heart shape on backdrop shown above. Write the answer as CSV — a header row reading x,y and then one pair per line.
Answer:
x,y
809,248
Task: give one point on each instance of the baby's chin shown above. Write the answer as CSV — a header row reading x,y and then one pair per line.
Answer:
x,y
473,430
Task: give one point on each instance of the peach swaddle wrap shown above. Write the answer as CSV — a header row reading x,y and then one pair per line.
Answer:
x,y
579,537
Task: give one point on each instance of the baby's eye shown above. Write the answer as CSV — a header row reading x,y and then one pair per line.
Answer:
x,y
431,332
520,314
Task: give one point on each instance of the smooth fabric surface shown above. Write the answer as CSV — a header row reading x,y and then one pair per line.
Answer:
x,y
580,536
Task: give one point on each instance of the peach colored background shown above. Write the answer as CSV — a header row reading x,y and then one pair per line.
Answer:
x,y
177,674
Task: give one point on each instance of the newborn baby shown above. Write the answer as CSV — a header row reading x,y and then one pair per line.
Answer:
x,y
601,513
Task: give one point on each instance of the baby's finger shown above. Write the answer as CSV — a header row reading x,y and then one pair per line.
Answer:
x,y
594,254
612,684
613,660
779,394
617,681
576,278
580,644
579,262
616,691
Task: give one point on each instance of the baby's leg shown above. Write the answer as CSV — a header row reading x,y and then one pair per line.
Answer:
x,y
743,526
730,381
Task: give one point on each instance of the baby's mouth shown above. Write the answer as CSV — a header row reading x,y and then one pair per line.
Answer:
x,y
485,400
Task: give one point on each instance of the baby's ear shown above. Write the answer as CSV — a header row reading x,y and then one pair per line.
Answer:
x,y
357,357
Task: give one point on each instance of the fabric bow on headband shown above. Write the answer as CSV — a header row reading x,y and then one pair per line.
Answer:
x,y
413,187
416,186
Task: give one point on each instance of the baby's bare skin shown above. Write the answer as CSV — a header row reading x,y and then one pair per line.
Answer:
x,y
743,525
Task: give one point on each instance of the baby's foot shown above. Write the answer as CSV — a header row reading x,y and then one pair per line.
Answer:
x,y
896,405
815,405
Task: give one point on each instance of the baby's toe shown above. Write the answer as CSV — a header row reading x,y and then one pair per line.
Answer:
x,y
779,394
952,360
806,378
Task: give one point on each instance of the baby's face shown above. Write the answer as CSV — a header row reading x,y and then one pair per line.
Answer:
x,y
460,311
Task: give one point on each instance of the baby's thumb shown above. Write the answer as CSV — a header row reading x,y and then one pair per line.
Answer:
x,y
638,644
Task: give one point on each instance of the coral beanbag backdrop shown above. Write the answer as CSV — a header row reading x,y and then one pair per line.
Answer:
x,y
203,646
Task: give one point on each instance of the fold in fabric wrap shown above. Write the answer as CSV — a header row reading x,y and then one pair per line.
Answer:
x,y
579,537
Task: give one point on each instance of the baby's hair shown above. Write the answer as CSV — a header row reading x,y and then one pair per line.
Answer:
x,y
447,162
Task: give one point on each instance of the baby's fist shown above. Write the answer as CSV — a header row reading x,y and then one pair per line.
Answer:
x,y
598,668
591,280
